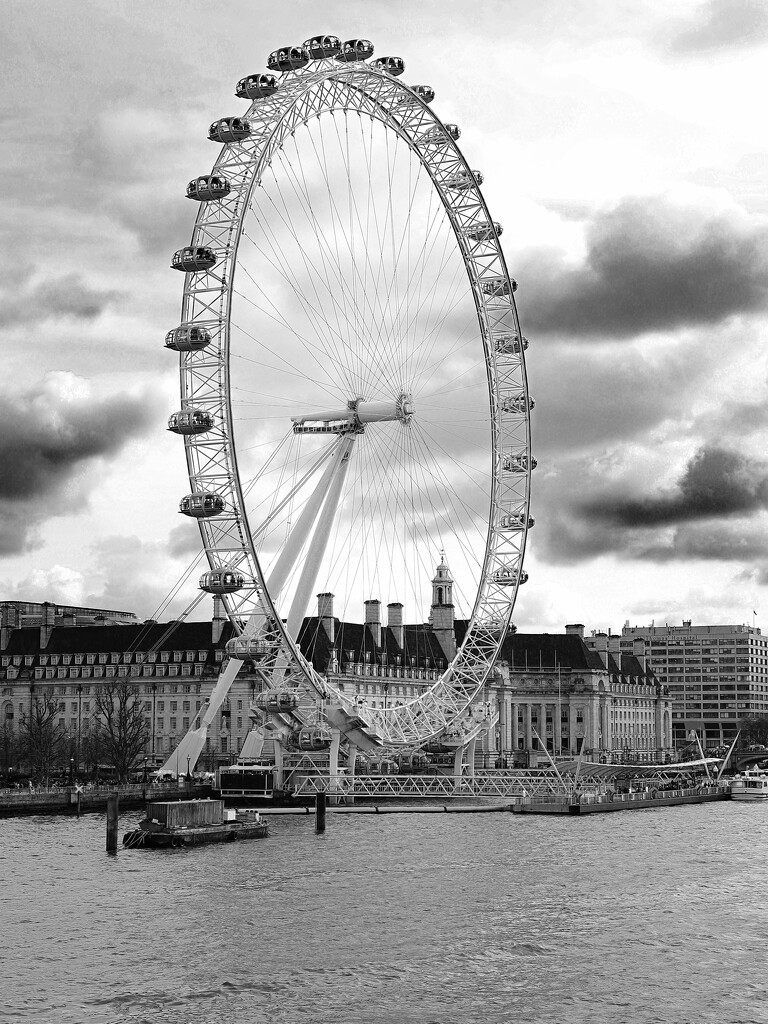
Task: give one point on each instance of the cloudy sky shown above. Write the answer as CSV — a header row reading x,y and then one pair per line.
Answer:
x,y
624,151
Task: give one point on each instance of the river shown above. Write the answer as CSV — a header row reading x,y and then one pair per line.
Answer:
x,y
646,917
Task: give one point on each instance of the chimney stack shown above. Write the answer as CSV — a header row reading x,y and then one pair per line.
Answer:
x,y
325,615
600,645
638,649
395,622
373,620
219,618
46,626
575,629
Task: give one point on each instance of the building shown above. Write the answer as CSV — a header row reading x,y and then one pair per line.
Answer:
x,y
32,613
716,675
173,666
554,691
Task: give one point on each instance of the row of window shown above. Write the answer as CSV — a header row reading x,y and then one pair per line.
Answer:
x,y
104,658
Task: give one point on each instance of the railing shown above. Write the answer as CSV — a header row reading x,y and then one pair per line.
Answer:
x,y
498,784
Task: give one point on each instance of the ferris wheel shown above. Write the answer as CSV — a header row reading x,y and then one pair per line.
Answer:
x,y
354,398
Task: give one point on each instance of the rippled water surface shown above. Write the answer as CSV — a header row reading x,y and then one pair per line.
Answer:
x,y
649,916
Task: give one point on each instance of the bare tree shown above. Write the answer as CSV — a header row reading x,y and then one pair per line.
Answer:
x,y
43,738
120,726
754,729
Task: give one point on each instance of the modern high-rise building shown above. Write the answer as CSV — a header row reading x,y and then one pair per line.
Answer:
x,y
716,675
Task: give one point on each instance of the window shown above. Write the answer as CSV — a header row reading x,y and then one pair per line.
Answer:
x,y
185,723
223,744
173,725
174,705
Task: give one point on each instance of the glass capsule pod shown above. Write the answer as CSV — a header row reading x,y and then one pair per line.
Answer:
x,y
424,92
438,136
285,699
355,49
222,581
508,576
485,231
463,180
517,463
392,65
516,521
208,187
194,259
516,403
499,287
288,58
316,737
188,338
229,129
510,344
202,504
256,87
414,761
248,648
322,46
190,421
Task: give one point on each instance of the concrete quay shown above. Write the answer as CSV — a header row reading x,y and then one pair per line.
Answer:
x,y
15,803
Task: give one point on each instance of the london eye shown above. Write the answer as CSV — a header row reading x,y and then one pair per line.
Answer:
x,y
354,397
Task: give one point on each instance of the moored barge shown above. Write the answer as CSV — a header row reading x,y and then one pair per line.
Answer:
x,y
193,822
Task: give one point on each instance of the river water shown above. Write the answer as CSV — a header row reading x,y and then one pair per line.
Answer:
x,y
657,916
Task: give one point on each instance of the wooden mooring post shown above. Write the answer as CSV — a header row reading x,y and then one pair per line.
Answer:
x,y
113,814
320,804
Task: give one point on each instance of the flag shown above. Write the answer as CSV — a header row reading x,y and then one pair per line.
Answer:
x,y
754,612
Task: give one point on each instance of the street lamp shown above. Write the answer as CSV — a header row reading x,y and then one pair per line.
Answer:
x,y
71,771
145,769
188,760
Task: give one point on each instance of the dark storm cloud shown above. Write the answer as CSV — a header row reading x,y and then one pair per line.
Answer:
x,y
50,433
651,265
716,483
722,24
25,301
687,523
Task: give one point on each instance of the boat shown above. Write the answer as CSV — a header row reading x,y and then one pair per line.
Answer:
x,y
752,784
193,822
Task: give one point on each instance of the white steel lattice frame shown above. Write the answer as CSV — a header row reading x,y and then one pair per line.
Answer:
x,y
327,86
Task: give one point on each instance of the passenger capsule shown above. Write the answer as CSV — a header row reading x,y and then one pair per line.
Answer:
x,y
509,344
288,58
485,231
194,259
190,421
438,136
280,699
508,576
188,338
229,129
517,463
249,648
208,187
424,92
312,738
392,65
516,521
256,87
516,403
464,180
499,287
202,505
355,49
322,46
222,581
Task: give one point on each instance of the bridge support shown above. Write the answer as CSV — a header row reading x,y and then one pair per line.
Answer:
x,y
333,766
